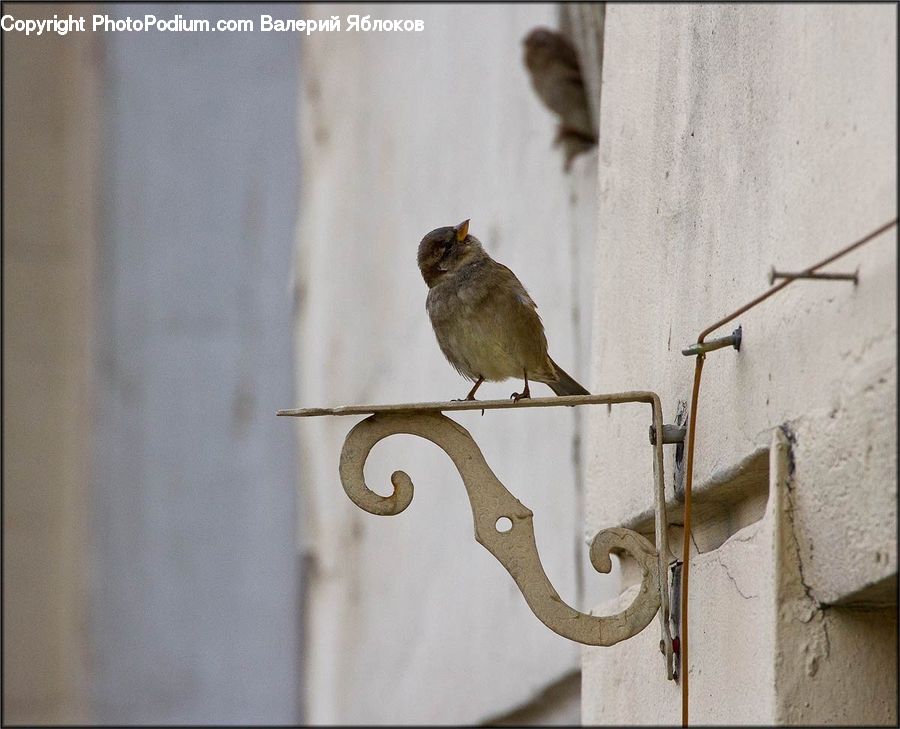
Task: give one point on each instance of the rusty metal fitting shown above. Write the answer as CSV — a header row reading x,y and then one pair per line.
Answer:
x,y
732,340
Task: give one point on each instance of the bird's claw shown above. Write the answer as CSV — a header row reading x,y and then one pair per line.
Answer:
x,y
524,395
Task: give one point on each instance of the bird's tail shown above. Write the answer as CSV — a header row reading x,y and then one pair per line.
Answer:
x,y
565,385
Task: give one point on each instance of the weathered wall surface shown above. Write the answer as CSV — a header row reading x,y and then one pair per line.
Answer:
x,y
409,619
734,139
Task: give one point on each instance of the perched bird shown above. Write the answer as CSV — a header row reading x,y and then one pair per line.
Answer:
x,y
485,322
556,77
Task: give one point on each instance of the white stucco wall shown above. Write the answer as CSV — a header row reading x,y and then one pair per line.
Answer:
x,y
409,619
734,139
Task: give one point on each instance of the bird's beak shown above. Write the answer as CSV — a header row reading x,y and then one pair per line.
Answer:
x,y
462,230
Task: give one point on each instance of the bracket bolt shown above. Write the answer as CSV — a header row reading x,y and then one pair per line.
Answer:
x,y
671,433
732,340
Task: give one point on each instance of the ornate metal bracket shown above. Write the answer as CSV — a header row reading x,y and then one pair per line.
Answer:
x,y
512,542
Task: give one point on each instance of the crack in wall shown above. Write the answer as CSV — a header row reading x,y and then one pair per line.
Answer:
x,y
800,605
732,578
789,512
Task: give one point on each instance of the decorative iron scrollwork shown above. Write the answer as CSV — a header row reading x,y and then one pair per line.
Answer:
x,y
514,548
503,525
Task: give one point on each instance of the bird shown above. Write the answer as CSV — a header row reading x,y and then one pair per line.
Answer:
x,y
555,73
485,322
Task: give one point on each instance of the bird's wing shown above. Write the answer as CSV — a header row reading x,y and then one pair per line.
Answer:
x,y
512,281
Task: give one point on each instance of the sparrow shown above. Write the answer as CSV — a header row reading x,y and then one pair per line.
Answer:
x,y
485,322
556,76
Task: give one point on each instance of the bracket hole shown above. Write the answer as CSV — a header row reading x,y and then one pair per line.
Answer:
x,y
503,524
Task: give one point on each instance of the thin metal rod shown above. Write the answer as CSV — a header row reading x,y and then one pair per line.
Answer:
x,y
775,289
686,546
854,277
692,430
662,538
615,398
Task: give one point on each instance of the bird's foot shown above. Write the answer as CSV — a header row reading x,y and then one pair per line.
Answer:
x,y
471,395
524,395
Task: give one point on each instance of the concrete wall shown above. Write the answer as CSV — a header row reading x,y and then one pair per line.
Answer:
x,y
734,139
409,619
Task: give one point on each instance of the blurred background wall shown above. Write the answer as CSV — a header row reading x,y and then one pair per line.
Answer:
x,y
51,145
409,619
151,572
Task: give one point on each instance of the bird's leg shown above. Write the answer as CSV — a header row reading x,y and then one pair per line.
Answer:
x,y
526,393
471,395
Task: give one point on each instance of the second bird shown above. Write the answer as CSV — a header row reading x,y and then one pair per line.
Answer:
x,y
485,322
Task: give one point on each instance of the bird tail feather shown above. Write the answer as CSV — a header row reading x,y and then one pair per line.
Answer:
x,y
564,384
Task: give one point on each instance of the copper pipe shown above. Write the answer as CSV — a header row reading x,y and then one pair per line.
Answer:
x,y
686,546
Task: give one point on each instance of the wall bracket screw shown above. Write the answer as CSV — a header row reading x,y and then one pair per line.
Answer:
x,y
732,340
